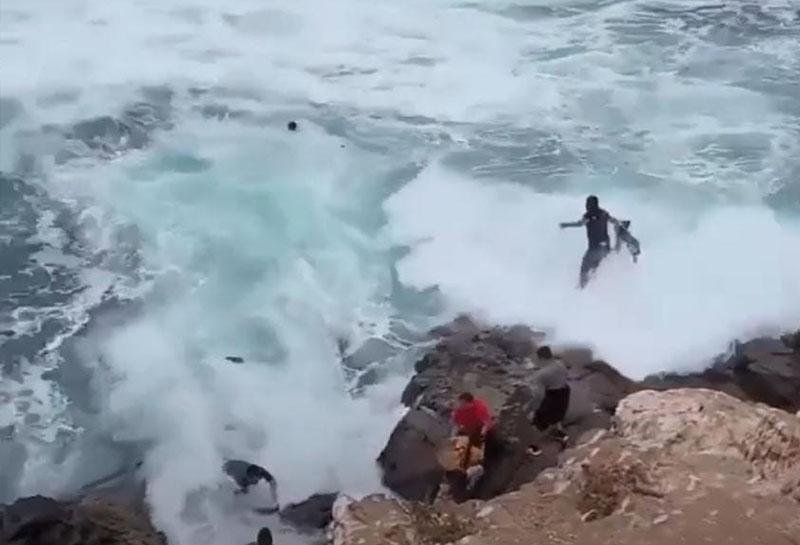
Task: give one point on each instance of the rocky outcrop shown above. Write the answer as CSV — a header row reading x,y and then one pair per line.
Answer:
x,y
763,370
792,341
495,364
91,521
680,466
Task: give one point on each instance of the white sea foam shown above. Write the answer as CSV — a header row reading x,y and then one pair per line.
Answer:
x,y
703,279
262,243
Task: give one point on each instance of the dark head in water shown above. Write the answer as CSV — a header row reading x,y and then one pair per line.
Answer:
x,y
292,125
264,536
592,203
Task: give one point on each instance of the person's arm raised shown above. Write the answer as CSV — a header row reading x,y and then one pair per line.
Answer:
x,y
579,223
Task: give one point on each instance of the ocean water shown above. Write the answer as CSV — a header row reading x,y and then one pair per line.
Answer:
x,y
156,216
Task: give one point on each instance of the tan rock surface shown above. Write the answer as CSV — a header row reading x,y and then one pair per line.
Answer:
x,y
687,466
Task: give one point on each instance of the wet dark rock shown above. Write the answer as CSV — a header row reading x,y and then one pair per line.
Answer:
x,y
370,377
28,517
792,340
235,359
462,325
409,463
292,125
427,361
372,350
107,136
760,370
13,456
51,374
7,432
314,513
495,364
44,521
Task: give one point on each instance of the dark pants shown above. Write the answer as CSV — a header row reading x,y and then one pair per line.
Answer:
x,y
591,260
553,408
492,446
493,449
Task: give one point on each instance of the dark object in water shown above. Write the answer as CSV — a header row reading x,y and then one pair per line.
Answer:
x,y
110,477
7,333
267,510
316,512
292,125
234,359
624,236
264,537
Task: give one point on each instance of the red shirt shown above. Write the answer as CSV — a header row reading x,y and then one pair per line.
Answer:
x,y
470,418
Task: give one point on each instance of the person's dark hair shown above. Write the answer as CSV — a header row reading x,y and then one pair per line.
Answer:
x,y
264,536
467,397
592,202
544,353
254,471
292,125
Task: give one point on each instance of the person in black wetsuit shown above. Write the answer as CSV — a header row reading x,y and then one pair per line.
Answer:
x,y
596,221
246,474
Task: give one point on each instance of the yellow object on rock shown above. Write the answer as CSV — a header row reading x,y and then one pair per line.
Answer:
x,y
452,455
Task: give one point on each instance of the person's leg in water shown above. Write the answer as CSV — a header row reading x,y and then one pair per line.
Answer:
x,y
591,260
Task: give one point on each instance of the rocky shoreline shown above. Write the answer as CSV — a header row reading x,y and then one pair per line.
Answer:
x,y
496,364
680,466
92,520
610,419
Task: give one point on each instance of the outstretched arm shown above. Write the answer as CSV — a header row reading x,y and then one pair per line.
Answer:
x,y
579,223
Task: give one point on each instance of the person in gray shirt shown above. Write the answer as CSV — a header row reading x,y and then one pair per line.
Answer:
x,y
551,393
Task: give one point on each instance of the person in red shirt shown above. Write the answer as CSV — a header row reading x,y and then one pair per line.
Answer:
x,y
472,417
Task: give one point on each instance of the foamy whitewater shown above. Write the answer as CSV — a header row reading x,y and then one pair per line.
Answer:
x,y
156,216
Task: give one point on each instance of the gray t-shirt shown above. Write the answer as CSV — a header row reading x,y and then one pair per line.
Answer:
x,y
552,376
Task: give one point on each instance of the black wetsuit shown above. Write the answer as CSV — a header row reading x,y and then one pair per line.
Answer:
x,y
237,470
599,242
